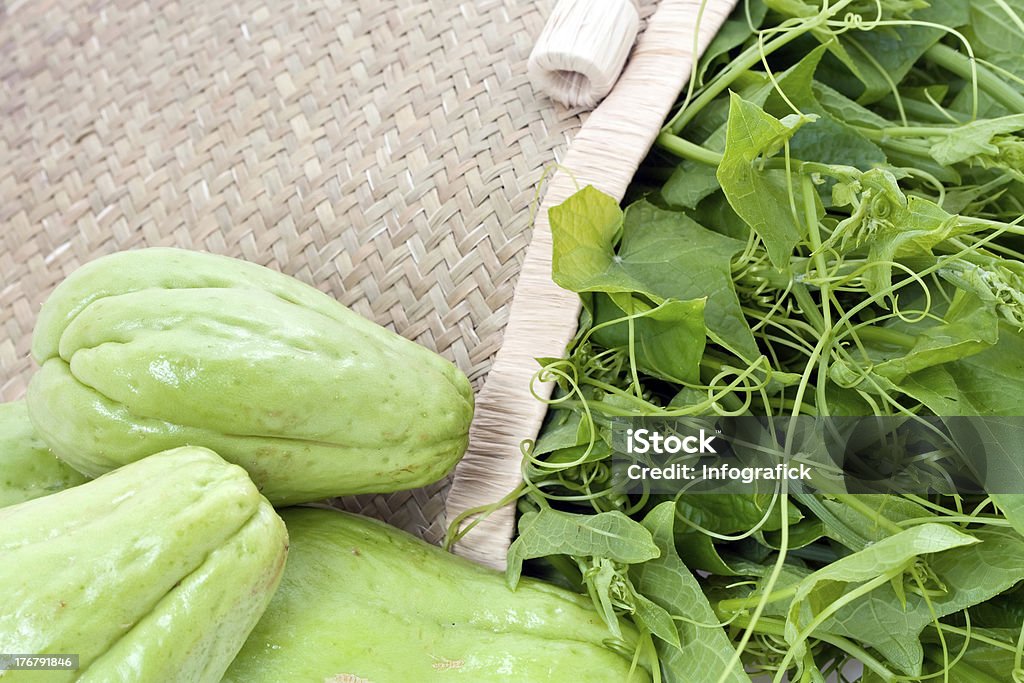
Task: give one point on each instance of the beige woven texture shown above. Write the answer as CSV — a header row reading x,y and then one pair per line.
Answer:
x,y
385,151
606,154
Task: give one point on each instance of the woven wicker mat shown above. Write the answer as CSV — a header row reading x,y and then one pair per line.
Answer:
x,y
386,151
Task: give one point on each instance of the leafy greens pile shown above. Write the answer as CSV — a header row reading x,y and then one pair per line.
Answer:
x,y
830,225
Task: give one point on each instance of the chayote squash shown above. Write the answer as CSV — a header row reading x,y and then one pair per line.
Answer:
x,y
147,350
155,572
362,601
27,467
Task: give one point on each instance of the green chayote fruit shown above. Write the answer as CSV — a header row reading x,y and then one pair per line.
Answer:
x,y
155,572
27,467
362,601
146,350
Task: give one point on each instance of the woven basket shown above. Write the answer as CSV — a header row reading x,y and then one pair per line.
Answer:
x,y
385,151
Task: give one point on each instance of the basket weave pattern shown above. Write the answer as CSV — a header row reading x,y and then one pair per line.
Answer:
x,y
385,151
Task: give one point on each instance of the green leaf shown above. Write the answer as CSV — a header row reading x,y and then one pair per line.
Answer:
x,y
698,551
691,181
731,513
793,8
564,429
995,443
966,576
610,535
733,33
676,258
717,215
583,230
887,507
607,583
761,196
1005,610
833,142
801,535
1012,505
668,339
882,57
663,255
655,618
995,36
967,327
579,454
994,31
982,662
827,140
889,555
974,139
723,514
689,184
797,83
841,107
704,649
987,383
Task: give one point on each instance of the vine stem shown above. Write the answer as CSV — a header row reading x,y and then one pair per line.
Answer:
x,y
773,578
777,628
857,504
736,604
803,635
685,149
750,57
966,67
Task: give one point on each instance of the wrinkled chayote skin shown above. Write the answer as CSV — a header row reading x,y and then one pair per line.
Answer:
x,y
362,601
27,467
146,350
155,572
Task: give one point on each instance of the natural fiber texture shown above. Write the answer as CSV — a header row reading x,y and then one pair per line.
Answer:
x,y
386,151
582,49
606,154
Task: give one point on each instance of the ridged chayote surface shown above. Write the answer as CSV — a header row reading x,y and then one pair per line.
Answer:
x,y
145,350
155,572
27,467
362,601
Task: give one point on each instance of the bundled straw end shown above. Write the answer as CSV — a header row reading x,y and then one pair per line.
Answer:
x,y
582,49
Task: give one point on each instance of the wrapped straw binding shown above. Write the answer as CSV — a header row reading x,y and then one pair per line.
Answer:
x,y
605,153
582,49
